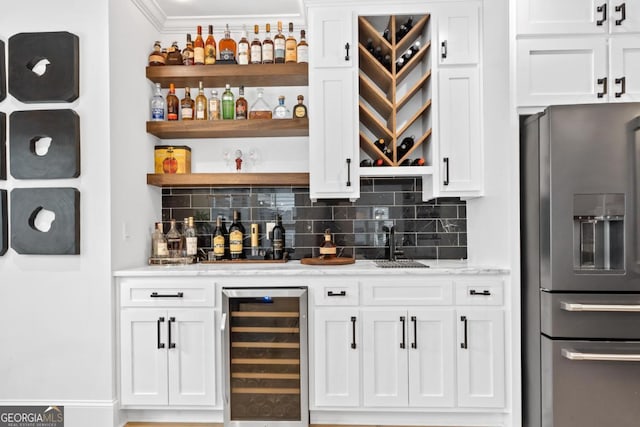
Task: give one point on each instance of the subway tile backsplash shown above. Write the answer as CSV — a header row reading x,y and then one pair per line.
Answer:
x,y
436,229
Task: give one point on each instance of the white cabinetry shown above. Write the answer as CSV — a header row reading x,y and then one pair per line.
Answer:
x,y
458,34
167,343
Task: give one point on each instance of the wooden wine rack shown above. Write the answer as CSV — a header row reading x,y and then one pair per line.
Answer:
x,y
378,86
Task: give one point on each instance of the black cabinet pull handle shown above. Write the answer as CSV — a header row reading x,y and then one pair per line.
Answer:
x,y
623,13
414,344
348,172
464,344
484,292
157,295
446,171
346,48
160,320
171,320
337,294
353,331
443,49
404,339
622,81
602,9
603,82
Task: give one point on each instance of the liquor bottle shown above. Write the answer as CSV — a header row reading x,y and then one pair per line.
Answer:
x,y
201,103
174,56
157,105
260,109
281,111
290,46
241,105
244,49
156,57
187,52
210,48
159,248
279,43
173,104
303,48
198,48
187,105
404,146
190,238
267,47
228,48
255,247
327,248
300,110
219,240
174,241
236,237
214,106
228,103
277,240
256,46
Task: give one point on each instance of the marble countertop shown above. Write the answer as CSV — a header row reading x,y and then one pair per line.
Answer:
x,y
294,268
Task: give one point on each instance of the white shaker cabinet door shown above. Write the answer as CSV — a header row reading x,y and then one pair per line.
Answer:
x,y
625,68
563,17
331,30
562,71
481,360
191,357
143,349
459,34
336,377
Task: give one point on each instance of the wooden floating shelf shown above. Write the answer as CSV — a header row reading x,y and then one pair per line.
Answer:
x,y
252,75
182,129
271,179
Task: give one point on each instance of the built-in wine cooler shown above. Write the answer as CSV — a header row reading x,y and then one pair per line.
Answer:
x,y
265,339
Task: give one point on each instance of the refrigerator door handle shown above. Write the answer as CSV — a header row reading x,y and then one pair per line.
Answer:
x,y
607,357
609,308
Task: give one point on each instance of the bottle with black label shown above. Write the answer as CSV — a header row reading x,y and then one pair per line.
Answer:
x,y
236,237
300,110
219,240
277,241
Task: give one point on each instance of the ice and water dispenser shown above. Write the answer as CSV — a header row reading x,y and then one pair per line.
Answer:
x,y
598,231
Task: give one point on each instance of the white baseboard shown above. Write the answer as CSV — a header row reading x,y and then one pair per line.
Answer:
x,y
79,413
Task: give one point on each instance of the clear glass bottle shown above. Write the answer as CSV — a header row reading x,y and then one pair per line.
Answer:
x,y
279,43
210,48
219,240
174,241
241,105
244,49
159,248
187,105
187,52
236,237
300,110
228,103
290,46
201,103
156,57
260,109
157,105
281,111
267,47
327,248
214,106
190,238
228,47
256,46
198,47
303,48
173,104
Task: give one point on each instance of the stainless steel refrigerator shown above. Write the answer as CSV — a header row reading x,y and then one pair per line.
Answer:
x,y
580,225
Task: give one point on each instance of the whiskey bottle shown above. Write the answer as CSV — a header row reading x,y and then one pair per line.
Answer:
x,y
219,240
256,46
327,248
214,106
156,57
201,103
281,111
236,237
244,49
303,48
198,48
228,48
300,110
190,238
228,103
159,248
210,48
174,241
277,239
260,109
279,43
290,46
157,105
187,105
174,56
241,105
187,52
267,47
173,104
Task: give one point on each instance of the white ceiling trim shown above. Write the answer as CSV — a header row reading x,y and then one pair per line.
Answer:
x,y
152,12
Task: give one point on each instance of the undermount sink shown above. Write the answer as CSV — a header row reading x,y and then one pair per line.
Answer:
x,y
400,263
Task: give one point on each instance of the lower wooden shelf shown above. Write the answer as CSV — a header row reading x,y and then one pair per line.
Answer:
x,y
228,179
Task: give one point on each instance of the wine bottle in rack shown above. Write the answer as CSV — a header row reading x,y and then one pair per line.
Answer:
x,y
386,62
418,162
370,47
386,34
380,144
405,145
366,163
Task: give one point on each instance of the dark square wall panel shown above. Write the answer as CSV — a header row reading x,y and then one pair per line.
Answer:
x,y
59,159
60,235
3,78
60,80
4,223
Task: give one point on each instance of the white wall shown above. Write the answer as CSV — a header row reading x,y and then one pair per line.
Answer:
x,y
55,311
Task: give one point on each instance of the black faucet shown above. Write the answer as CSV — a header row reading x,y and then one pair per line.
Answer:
x,y
391,251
